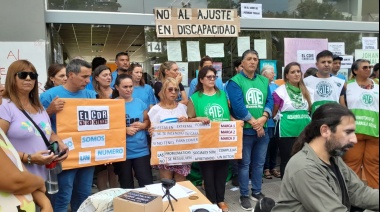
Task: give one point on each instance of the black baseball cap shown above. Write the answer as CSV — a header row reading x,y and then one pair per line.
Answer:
x,y
337,57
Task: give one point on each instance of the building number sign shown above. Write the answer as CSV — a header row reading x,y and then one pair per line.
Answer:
x,y
154,47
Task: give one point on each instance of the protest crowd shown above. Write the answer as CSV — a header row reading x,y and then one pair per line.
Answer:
x,y
324,127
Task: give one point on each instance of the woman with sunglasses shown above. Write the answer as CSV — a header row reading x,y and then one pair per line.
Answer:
x,y
208,103
170,69
168,110
205,61
21,94
362,97
101,84
137,121
19,189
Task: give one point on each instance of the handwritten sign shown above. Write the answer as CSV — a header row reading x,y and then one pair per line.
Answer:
x,y
369,43
94,131
337,48
185,22
251,11
347,61
178,143
34,52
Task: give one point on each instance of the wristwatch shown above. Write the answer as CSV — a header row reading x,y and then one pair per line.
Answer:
x,y
29,159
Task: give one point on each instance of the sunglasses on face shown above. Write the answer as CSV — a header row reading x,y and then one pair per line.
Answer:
x,y
173,89
24,74
366,67
212,77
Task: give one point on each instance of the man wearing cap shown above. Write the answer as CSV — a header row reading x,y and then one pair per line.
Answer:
x,y
337,62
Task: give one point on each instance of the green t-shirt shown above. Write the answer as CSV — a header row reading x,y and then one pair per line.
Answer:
x,y
214,107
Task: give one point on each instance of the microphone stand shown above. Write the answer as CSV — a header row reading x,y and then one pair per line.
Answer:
x,y
167,193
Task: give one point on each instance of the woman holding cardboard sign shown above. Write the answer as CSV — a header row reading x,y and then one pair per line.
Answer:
x,y
208,103
101,83
137,121
170,111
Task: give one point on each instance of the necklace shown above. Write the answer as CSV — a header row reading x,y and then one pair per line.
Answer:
x,y
367,86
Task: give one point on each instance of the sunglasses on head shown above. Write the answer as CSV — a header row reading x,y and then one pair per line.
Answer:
x,y
24,74
212,77
173,89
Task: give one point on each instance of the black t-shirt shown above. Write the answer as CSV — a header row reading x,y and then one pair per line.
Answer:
x,y
335,169
157,88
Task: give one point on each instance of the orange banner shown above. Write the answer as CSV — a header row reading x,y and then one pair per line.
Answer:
x,y
186,142
94,130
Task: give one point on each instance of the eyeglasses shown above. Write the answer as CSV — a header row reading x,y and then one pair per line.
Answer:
x,y
366,67
173,89
212,77
24,74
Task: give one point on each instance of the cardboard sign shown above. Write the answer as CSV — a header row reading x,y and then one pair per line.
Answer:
x,y
186,142
94,130
187,22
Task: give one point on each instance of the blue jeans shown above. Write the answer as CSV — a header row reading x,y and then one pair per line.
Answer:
x,y
75,185
254,152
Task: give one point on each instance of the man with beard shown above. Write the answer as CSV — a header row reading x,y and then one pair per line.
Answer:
x,y
316,178
122,62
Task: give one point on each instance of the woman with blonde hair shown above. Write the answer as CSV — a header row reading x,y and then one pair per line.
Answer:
x,y
168,110
170,69
292,103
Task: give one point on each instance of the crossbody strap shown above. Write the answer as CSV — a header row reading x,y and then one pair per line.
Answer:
x,y
37,127
12,149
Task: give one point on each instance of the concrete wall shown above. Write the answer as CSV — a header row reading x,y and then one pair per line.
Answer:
x,y
22,20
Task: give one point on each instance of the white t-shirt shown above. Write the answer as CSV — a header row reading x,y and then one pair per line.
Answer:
x,y
157,114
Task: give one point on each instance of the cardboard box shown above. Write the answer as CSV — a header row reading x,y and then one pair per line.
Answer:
x,y
137,201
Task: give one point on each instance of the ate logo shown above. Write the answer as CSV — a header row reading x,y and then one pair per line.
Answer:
x,y
214,110
324,89
254,98
367,99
